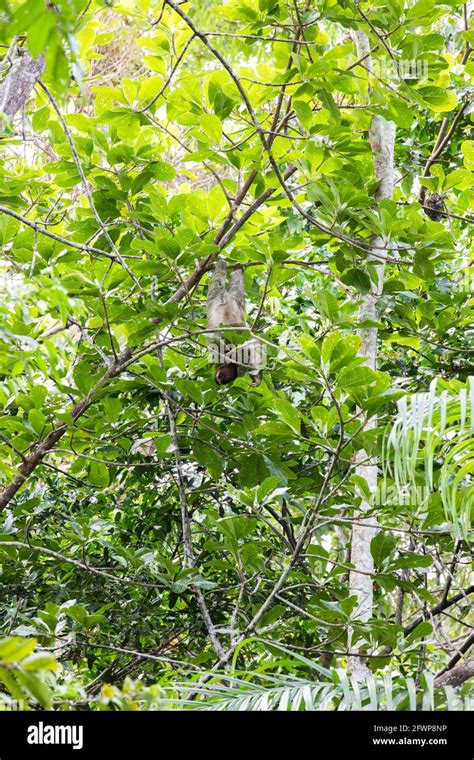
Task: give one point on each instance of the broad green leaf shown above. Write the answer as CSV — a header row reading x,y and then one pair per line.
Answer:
x,y
98,474
381,546
288,413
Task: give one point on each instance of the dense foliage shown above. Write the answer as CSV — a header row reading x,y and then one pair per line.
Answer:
x,y
156,526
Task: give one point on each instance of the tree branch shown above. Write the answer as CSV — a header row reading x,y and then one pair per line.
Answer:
x,y
456,676
20,80
443,605
41,231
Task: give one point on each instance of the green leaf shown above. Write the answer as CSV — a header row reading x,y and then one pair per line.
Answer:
x,y
467,149
113,407
6,676
207,457
38,395
39,661
412,561
381,546
39,33
304,112
438,98
36,687
289,414
15,648
40,119
423,266
77,613
37,420
98,474
329,103
162,170
212,126
352,377
358,279
420,632
83,377
189,388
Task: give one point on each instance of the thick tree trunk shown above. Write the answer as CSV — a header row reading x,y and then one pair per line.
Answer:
x,y
382,141
19,81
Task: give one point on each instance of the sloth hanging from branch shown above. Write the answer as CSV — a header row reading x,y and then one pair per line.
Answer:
x,y
226,308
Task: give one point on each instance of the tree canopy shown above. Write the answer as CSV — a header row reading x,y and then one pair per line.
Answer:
x,y
303,544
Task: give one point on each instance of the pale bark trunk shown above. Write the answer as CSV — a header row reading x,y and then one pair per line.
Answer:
x,y
382,141
19,81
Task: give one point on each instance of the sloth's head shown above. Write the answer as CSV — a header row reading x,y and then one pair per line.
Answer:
x,y
225,374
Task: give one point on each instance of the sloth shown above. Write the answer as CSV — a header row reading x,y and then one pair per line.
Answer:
x,y
434,206
226,307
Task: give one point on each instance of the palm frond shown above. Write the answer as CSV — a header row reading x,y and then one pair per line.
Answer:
x,y
433,438
263,693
